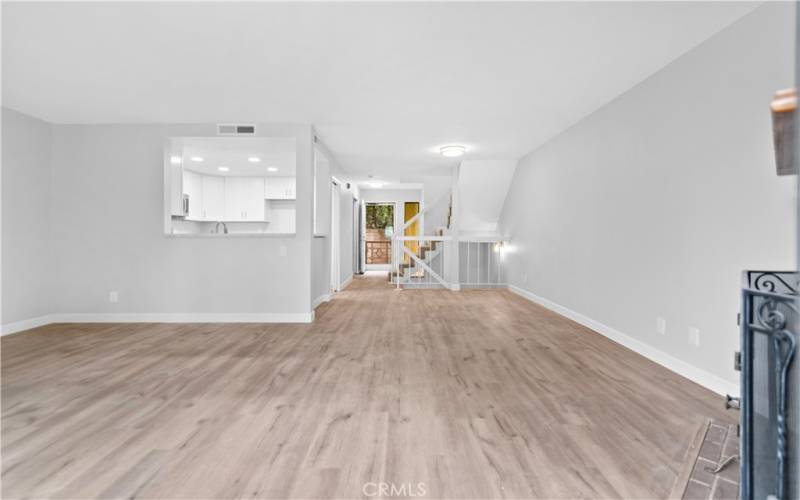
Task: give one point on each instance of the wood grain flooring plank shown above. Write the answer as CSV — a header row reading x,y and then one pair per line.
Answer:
x,y
476,394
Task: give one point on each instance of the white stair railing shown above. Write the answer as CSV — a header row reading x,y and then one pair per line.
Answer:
x,y
481,263
427,268
430,250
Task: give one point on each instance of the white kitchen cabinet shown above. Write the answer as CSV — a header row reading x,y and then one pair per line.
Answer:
x,y
193,187
234,209
244,199
213,197
281,188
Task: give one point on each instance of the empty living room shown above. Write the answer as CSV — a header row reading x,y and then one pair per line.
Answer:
x,y
377,250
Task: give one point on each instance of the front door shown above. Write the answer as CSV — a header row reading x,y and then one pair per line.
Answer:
x,y
378,231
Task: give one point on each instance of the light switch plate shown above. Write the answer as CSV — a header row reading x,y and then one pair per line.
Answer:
x,y
282,251
113,297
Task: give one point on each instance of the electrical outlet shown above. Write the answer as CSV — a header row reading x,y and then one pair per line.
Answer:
x,y
113,297
661,325
694,336
525,278
282,251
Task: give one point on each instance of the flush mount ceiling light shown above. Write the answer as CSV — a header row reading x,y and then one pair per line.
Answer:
x,y
197,159
272,169
452,151
375,184
176,160
223,169
254,159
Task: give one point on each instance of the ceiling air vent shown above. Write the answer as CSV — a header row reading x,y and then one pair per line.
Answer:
x,y
234,129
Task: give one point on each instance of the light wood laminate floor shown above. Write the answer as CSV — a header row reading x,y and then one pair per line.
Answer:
x,y
476,394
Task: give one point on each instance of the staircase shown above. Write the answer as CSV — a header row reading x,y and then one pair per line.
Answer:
x,y
425,266
417,272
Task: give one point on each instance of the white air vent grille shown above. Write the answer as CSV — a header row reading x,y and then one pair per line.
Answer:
x,y
235,129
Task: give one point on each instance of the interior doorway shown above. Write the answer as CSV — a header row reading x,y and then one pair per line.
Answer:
x,y
378,232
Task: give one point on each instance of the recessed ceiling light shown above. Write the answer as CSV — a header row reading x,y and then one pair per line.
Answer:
x,y
272,169
198,159
223,169
176,160
254,159
375,184
452,151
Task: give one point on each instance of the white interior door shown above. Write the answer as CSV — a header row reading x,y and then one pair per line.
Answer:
x,y
335,237
362,234
356,225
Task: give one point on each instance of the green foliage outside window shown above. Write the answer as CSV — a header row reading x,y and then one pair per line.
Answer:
x,y
380,216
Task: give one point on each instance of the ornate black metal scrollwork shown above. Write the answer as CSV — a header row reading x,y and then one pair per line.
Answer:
x,y
770,311
770,315
773,281
784,345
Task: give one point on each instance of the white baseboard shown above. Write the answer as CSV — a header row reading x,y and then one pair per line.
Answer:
x,y
346,282
25,324
697,375
158,318
182,318
325,297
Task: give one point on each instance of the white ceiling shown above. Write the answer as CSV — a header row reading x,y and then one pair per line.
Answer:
x,y
384,83
235,152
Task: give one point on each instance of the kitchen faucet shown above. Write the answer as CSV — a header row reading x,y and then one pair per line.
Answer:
x,y
224,227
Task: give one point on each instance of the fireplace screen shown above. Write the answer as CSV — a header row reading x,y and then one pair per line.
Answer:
x,y
768,343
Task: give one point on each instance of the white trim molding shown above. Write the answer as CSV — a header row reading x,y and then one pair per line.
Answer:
x,y
158,318
26,324
325,297
183,318
682,368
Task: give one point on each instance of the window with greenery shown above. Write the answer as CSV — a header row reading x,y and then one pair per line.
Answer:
x,y
380,216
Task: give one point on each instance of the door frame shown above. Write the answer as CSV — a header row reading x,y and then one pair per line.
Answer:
x,y
335,239
363,230
357,265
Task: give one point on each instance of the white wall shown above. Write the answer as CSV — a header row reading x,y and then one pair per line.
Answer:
x,y
321,243
320,269
26,253
107,234
483,186
434,187
654,204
